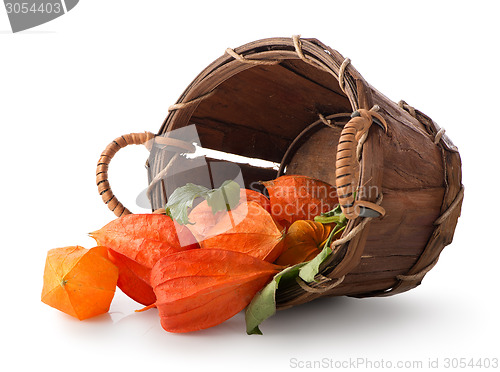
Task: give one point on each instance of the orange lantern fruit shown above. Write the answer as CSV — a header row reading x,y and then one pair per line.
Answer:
x,y
79,282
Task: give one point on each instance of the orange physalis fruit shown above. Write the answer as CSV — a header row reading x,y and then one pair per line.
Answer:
x,y
299,198
249,229
303,241
144,238
136,242
78,281
203,219
198,289
133,278
255,196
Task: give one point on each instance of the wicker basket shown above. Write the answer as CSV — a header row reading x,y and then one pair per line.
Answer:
x,y
291,101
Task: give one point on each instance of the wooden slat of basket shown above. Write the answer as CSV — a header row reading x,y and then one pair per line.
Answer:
x,y
275,48
324,138
415,222
353,289
240,140
442,234
283,100
316,76
372,266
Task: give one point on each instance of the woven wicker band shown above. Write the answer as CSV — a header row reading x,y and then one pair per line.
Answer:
x,y
147,139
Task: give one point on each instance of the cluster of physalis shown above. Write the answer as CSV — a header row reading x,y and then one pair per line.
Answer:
x,y
207,256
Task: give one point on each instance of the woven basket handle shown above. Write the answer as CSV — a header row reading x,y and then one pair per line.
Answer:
x,y
359,124
102,168
148,139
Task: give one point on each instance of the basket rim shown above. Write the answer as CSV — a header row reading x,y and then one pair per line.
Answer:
x,y
356,88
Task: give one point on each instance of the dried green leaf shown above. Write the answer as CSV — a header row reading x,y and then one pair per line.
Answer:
x,y
335,215
327,220
182,199
309,271
311,268
263,305
225,197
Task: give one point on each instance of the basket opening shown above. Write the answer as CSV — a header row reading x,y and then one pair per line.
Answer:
x,y
259,112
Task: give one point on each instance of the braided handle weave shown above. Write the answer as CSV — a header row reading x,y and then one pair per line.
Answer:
x,y
102,168
353,131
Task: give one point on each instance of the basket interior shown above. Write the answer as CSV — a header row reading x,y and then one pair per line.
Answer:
x,y
259,112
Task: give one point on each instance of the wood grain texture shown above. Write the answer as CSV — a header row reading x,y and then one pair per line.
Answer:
x,y
320,146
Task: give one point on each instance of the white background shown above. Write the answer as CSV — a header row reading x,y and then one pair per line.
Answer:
x,y
70,86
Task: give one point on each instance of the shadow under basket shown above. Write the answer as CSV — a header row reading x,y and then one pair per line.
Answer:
x,y
289,101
